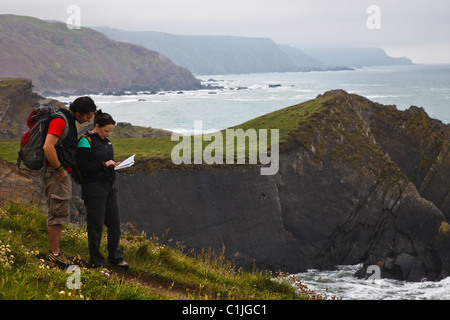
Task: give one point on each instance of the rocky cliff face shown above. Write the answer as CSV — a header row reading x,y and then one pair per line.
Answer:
x,y
419,146
341,196
16,98
23,186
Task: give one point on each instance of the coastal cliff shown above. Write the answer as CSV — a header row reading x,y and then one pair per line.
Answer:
x,y
338,197
61,60
209,54
358,182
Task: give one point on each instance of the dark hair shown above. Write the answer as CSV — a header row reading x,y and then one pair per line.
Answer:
x,y
103,118
83,105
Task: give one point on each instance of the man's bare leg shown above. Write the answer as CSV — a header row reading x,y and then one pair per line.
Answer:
x,y
54,234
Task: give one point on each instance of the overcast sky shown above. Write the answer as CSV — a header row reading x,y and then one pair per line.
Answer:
x,y
417,29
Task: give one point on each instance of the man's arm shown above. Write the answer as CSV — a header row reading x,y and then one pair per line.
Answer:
x,y
50,153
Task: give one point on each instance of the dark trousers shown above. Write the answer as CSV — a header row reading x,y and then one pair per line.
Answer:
x,y
100,199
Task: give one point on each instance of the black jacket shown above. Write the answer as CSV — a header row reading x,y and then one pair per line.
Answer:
x,y
91,161
67,153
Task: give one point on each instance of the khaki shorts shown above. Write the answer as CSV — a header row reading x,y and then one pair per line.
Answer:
x,y
59,196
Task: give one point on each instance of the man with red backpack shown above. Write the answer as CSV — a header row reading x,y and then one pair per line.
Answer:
x,y
61,159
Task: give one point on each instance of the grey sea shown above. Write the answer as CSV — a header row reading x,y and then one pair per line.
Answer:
x,y
246,96
241,97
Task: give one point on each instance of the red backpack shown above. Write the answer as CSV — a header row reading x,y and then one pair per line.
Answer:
x,y
31,151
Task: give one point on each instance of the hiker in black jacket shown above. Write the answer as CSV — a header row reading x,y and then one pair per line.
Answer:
x,y
95,160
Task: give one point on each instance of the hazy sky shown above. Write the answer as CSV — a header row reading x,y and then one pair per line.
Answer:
x,y
417,29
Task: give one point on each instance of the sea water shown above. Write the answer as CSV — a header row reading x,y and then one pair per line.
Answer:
x,y
242,97
342,283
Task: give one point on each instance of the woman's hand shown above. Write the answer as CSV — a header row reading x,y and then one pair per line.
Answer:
x,y
111,163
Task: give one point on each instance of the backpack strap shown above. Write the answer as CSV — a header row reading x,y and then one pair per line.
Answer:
x,y
65,132
89,138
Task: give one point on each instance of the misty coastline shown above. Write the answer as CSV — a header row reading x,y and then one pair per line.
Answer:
x,y
359,140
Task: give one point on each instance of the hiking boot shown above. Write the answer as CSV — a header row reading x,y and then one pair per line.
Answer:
x,y
122,265
60,260
91,265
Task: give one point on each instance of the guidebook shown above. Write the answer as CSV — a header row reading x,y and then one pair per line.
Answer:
x,y
126,163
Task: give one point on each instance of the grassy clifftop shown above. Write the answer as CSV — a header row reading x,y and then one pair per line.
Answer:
x,y
157,271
